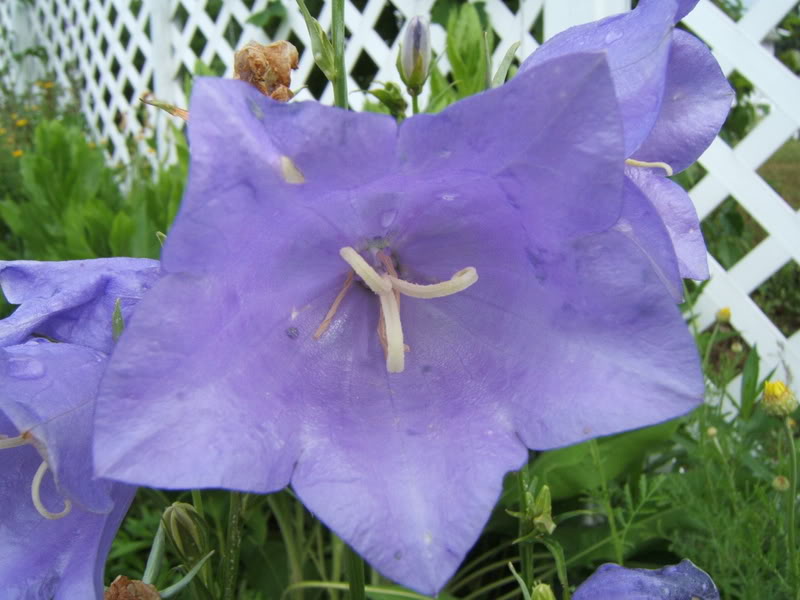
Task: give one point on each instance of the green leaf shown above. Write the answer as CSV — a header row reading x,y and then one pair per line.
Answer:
x,y
466,50
321,46
502,71
274,10
749,384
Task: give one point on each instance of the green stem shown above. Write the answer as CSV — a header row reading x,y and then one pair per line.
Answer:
x,y
612,522
354,566
790,506
230,570
337,33
197,502
709,346
525,548
287,533
415,103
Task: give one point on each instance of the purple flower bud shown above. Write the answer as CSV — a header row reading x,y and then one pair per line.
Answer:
x,y
415,54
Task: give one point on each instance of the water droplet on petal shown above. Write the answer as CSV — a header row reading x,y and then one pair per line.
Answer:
x,y
388,217
612,36
25,368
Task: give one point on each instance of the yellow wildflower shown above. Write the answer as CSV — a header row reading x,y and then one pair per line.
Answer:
x,y
778,400
48,85
21,122
17,153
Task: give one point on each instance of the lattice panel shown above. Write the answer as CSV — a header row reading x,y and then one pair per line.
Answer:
x,y
125,47
732,171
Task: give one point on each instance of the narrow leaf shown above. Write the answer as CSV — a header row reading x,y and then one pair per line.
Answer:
x,y
505,64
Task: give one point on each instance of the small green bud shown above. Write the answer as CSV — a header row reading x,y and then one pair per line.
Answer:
x,y
543,512
414,59
780,483
392,98
778,401
542,591
183,526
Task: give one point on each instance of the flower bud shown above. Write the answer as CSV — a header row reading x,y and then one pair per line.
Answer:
x,y
778,401
542,591
780,483
543,512
183,526
711,432
724,315
414,61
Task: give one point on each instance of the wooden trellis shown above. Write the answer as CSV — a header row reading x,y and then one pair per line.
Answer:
x,y
122,48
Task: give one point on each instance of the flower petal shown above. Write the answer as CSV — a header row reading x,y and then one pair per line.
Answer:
x,y
677,211
697,98
683,581
637,44
39,558
71,301
49,390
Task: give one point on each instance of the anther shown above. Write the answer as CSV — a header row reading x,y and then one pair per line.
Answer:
x,y
326,322
656,165
37,500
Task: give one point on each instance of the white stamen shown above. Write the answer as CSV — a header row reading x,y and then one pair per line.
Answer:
x,y
395,349
656,165
37,501
457,283
362,268
13,442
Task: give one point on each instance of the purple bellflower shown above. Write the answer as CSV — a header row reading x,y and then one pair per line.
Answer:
x,y
57,521
673,98
683,581
388,316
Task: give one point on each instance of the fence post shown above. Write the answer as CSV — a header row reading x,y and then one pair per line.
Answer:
x,y
163,61
559,14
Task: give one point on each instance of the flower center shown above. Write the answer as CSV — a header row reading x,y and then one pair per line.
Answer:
x,y
388,287
36,484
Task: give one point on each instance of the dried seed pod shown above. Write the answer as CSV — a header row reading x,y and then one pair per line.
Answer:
x,y
123,588
268,68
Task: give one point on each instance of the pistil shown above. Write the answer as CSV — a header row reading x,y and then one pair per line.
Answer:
x,y
37,500
388,287
654,165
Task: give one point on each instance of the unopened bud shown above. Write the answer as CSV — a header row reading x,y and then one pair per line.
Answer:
x,y
737,347
542,591
543,512
268,68
780,483
711,432
183,526
414,60
724,315
778,401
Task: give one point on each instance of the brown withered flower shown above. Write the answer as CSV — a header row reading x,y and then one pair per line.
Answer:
x,y
268,68
123,588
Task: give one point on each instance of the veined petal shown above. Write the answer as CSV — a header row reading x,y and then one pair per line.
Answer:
x,y
637,45
683,581
678,213
39,558
72,301
697,98
48,390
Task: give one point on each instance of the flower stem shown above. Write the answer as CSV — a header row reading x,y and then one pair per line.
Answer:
x,y
276,505
337,33
230,569
354,566
790,505
526,547
711,340
415,103
612,522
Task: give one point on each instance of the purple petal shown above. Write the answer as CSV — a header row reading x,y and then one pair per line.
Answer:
x,y
49,391
39,558
697,98
684,8
683,581
677,211
71,301
637,45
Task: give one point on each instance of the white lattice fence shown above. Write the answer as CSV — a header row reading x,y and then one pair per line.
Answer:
x,y
121,48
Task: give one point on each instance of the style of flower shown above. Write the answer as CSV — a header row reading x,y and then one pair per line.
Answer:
x,y
673,98
58,521
683,581
388,316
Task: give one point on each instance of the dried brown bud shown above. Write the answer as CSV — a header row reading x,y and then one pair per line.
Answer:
x,y
123,588
268,68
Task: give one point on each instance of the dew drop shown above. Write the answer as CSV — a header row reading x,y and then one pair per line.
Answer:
x,y
25,368
388,217
612,36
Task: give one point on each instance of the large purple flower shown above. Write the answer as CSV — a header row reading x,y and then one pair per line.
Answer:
x,y
673,98
272,350
683,581
57,521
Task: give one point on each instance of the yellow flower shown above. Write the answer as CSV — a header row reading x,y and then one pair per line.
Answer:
x,y
48,85
2,130
17,153
724,315
21,122
778,401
